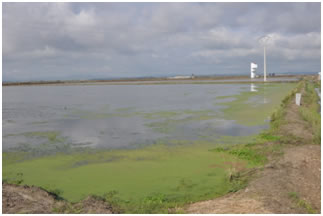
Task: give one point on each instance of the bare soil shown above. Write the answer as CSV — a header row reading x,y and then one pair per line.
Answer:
x,y
273,190
34,200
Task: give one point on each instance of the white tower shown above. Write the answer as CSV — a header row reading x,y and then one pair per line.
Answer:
x,y
253,68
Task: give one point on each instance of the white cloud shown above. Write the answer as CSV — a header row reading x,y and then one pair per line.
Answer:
x,y
146,38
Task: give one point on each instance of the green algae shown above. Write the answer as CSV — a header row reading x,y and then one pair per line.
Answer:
x,y
166,126
257,112
52,136
244,108
86,114
224,97
51,143
39,122
180,171
168,121
161,114
129,112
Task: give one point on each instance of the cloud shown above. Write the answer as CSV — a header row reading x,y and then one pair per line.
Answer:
x,y
72,40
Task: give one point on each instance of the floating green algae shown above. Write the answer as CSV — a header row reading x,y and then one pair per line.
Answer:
x,y
180,171
160,114
257,112
50,135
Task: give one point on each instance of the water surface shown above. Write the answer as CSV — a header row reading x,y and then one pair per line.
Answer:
x,y
114,116
141,142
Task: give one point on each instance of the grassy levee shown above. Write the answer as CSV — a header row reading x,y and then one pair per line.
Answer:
x,y
310,107
309,111
269,144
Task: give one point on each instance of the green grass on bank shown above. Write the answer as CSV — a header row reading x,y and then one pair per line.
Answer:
x,y
277,117
310,109
295,197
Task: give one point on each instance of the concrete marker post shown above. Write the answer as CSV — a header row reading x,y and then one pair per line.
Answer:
x,y
298,99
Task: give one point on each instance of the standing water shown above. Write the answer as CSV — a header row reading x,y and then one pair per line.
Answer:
x,y
146,144
115,116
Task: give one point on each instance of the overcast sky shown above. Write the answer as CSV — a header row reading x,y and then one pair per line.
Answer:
x,y
106,40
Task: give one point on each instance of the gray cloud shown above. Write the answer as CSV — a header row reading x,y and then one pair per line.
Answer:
x,y
91,40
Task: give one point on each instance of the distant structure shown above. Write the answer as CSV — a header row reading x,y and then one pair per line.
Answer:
x,y
253,68
319,75
271,74
182,77
253,87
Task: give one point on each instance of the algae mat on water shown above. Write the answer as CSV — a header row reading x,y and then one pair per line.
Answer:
x,y
254,108
181,173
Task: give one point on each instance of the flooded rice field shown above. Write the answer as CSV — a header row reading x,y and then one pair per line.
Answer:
x,y
135,140
120,116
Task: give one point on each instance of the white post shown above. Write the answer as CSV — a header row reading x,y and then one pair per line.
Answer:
x,y
298,99
265,79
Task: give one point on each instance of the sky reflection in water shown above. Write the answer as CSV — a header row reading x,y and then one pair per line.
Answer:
x,y
115,116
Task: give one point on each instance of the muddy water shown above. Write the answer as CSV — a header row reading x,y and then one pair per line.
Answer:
x,y
115,116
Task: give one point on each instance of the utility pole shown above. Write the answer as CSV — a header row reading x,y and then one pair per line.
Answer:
x,y
264,40
265,79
